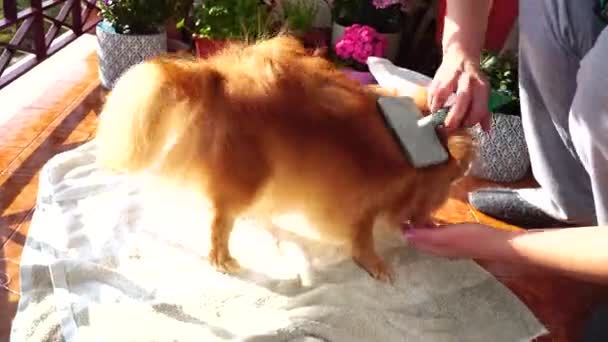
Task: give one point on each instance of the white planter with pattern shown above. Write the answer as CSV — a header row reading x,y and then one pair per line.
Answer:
x,y
118,52
503,153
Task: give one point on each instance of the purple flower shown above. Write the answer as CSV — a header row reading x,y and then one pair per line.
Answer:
x,y
381,4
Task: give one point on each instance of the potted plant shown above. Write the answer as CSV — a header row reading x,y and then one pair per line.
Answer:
x,y
298,17
384,16
175,32
354,47
217,22
130,32
503,153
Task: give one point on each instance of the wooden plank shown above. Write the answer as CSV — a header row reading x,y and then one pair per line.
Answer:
x,y
15,41
10,9
76,17
38,30
57,23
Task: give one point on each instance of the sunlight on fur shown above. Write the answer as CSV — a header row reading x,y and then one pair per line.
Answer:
x,y
269,130
287,247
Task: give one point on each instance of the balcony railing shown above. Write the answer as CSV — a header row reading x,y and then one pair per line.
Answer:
x,y
32,30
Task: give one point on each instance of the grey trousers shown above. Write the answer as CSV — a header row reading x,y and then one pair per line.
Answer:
x,y
563,62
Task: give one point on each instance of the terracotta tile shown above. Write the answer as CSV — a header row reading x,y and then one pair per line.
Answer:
x,y
454,211
490,221
58,98
12,250
10,223
19,193
9,309
46,144
19,129
58,113
80,71
27,162
7,155
10,256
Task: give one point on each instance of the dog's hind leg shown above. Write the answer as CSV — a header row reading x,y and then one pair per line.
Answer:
x,y
239,176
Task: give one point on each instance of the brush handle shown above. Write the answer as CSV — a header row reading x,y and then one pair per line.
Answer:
x,y
437,118
495,100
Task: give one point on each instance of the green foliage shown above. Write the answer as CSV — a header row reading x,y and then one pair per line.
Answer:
x,y
386,20
232,19
137,16
502,73
299,15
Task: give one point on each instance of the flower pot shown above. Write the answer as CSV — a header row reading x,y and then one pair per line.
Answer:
x,y
119,52
206,47
364,77
503,153
314,40
393,39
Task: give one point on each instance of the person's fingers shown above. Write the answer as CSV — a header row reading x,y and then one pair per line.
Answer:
x,y
429,241
430,91
479,104
431,249
461,106
425,235
441,94
443,85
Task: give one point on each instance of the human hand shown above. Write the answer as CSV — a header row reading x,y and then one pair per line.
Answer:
x,y
460,73
467,240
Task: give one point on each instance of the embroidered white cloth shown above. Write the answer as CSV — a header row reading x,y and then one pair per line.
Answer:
x,y
106,260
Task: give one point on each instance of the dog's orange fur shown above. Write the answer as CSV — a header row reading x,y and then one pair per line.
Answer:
x,y
270,123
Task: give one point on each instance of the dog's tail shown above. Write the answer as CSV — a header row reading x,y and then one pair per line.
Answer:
x,y
146,113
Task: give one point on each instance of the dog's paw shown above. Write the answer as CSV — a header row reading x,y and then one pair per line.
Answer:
x,y
383,273
223,262
376,268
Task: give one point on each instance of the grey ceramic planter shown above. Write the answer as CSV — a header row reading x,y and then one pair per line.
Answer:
x,y
503,154
118,52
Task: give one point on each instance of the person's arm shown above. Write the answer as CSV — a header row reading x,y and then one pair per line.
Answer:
x,y
577,252
465,27
462,42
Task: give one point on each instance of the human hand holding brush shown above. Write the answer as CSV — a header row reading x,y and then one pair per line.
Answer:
x,y
459,73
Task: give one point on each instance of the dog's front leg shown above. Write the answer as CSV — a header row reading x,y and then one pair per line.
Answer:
x,y
364,252
219,255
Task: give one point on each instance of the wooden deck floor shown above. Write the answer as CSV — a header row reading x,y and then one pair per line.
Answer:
x,y
54,108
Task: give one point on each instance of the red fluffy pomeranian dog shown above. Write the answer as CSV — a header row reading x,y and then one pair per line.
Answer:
x,y
269,121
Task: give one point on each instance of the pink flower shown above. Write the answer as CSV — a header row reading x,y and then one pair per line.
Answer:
x,y
380,4
378,51
359,42
404,5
